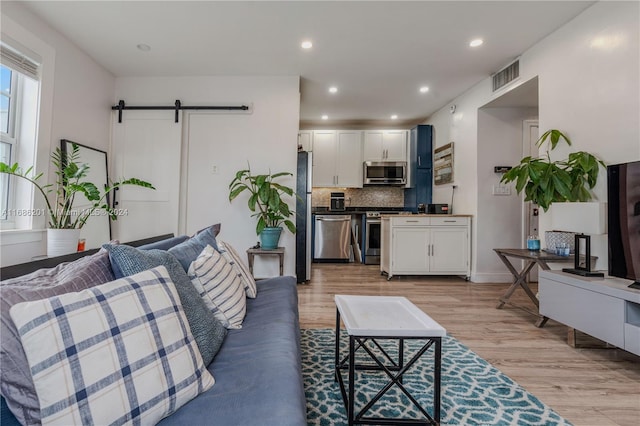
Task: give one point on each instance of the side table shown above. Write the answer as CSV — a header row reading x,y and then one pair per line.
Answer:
x,y
252,252
531,258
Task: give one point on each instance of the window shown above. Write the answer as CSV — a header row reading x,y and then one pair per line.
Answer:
x,y
19,93
8,99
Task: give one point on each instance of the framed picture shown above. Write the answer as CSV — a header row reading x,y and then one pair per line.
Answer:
x,y
443,164
97,230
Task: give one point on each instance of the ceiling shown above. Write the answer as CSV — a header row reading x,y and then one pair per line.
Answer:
x,y
378,54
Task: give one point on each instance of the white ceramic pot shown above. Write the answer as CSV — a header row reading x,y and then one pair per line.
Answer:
x,y
62,241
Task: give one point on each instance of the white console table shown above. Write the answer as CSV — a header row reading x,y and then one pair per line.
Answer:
x,y
603,308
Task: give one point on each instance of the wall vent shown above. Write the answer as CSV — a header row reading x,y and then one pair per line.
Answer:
x,y
506,75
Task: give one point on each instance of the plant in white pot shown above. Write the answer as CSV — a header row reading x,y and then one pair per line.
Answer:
x,y
545,182
64,221
266,203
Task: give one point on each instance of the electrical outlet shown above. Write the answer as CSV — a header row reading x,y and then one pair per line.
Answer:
x,y
214,169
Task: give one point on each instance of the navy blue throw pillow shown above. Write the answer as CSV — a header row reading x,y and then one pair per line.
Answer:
x,y
189,250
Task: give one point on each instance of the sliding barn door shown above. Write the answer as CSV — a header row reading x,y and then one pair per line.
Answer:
x,y
146,145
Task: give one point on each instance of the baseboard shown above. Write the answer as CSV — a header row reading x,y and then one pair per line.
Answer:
x,y
496,277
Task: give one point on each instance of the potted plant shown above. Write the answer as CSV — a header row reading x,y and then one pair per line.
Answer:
x,y
545,182
65,222
266,203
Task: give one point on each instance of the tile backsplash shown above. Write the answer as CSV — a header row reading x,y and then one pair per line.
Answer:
x,y
377,196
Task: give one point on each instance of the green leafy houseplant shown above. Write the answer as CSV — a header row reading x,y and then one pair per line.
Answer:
x,y
265,200
545,182
70,181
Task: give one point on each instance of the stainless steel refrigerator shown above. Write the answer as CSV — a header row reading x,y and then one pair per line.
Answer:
x,y
303,217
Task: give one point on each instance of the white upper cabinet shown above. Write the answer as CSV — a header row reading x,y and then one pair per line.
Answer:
x,y
349,160
337,158
385,145
324,158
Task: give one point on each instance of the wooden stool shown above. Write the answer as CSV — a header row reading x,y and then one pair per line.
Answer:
x,y
258,251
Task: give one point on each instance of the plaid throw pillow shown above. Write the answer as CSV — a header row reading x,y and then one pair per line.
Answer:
x,y
240,267
16,384
220,287
117,353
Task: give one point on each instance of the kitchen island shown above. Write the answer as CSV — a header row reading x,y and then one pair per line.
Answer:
x,y
426,244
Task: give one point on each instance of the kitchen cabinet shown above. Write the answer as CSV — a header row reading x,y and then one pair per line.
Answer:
x,y
425,245
420,172
337,158
304,140
385,145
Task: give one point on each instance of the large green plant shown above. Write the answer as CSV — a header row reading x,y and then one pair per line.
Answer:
x,y
70,181
545,182
265,199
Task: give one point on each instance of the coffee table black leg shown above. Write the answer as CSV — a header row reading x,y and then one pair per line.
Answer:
x,y
437,379
352,368
337,351
400,356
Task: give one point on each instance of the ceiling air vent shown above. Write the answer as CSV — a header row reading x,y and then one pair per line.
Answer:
x,y
506,75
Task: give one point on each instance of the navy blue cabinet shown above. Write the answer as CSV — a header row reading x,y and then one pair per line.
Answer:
x,y
420,167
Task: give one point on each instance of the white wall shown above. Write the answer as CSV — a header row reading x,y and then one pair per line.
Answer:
x,y
75,104
266,138
588,87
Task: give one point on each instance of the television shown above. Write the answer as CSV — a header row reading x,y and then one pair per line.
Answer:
x,y
623,198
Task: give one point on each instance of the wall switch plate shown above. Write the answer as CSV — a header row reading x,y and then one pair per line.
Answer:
x,y
501,190
214,169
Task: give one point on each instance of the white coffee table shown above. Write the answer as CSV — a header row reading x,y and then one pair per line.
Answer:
x,y
390,318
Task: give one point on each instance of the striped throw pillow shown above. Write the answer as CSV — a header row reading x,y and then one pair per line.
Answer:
x,y
220,287
117,353
240,267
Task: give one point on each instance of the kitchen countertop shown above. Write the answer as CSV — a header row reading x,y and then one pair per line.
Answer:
x,y
356,210
427,215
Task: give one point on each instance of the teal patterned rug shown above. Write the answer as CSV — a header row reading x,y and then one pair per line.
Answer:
x,y
473,391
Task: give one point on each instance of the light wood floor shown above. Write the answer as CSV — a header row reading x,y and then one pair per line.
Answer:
x,y
585,386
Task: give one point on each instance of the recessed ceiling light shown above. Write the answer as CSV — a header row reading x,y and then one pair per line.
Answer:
x,y
325,117
394,117
144,47
475,43
306,44
333,89
424,89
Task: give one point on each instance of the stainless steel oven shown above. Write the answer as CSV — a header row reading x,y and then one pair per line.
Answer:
x,y
373,233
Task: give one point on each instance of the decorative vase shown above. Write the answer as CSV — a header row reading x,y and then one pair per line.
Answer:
x,y
269,238
62,241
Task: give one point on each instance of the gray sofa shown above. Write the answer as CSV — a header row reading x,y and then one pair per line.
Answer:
x,y
257,370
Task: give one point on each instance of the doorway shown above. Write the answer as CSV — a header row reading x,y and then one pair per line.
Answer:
x,y
507,131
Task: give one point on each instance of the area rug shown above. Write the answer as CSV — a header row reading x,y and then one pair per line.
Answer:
x,y
473,391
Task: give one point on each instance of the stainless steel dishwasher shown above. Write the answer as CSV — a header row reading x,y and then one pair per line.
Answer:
x,y
332,237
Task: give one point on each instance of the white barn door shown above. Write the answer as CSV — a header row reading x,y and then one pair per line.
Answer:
x,y
146,145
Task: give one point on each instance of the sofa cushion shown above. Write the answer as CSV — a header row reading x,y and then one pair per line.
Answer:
x,y
214,228
240,267
219,286
115,353
189,250
258,369
165,244
16,384
206,329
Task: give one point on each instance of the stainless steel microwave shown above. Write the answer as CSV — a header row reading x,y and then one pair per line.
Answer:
x,y
385,173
